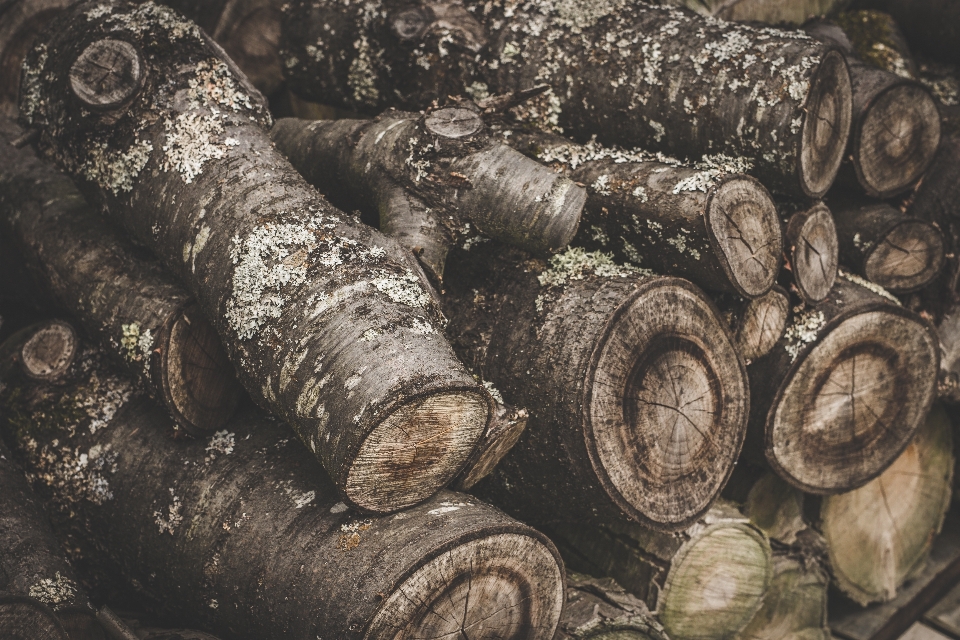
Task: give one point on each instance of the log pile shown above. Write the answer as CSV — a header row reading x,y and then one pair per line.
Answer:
x,y
610,320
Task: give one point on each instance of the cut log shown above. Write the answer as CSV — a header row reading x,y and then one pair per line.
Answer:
x,y
706,221
33,564
877,40
707,582
775,12
505,429
683,79
23,618
244,535
49,351
896,123
433,176
757,324
879,536
120,629
249,32
795,604
812,250
117,294
931,26
636,394
328,323
600,609
948,388
843,392
900,253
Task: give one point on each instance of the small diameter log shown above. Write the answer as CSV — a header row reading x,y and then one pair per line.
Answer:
x,y
691,86
144,318
812,250
931,26
243,534
841,395
24,618
795,604
898,252
757,324
48,351
431,177
879,536
636,394
706,582
32,562
896,122
706,221
877,40
505,429
600,609
328,323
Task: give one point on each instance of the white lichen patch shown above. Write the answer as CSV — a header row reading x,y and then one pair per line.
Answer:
x,y
710,169
492,390
214,85
448,507
350,534
871,286
114,170
148,14
136,345
75,476
339,507
403,289
680,244
169,521
300,499
362,77
576,263
192,139
221,443
803,330
53,591
601,185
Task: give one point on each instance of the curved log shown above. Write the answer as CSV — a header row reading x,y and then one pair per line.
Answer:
x,y
636,394
243,534
328,323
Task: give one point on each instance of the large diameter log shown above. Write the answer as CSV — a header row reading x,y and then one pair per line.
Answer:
x,y
812,250
706,582
899,252
841,395
244,535
880,535
636,394
931,26
32,562
683,79
896,122
126,300
795,604
600,609
705,221
428,176
328,323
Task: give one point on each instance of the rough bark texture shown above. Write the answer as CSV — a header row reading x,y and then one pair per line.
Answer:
x,y
433,179
244,535
249,31
24,618
122,629
636,394
32,562
948,329
775,12
757,324
841,395
899,252
879,536
328,323
705,221
706,582
812,250
691,85
896,123
117,294
600,609
931,26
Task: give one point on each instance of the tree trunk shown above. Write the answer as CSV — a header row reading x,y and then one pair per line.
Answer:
x,y
795,604
430,177
931,26
757,324
879,536
843,392
140,315
32,562
706,582
751,90
900,253
896,123
705,222
244,535
599,609
636,394
812,250
328,323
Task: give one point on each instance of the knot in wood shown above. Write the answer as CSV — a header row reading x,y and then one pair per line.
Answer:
x,y
411,24
453,122
106,74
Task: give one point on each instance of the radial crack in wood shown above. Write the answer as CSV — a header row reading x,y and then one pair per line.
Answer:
x,y
811,236
106,74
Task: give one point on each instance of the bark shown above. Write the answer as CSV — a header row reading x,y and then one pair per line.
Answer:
x,y
880,535
901,253
795,604
636,394
121,629
244,535
120,296
776,12
329,324
931,26
877,40
843,392
757,324
249,31
706,222
706,582
434,177
751,90
948,329
600,609
23,617
896,123
812,249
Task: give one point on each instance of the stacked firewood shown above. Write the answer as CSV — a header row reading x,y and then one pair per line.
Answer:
x,y
460,319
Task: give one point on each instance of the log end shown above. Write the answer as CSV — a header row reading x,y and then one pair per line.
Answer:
x,y
23,618
826,126
416,449
667,405
743,224
763,323
814,252
896,140
907,258
48,353
504,431
507,585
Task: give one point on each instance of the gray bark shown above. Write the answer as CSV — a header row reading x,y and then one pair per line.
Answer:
x,y
600,609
